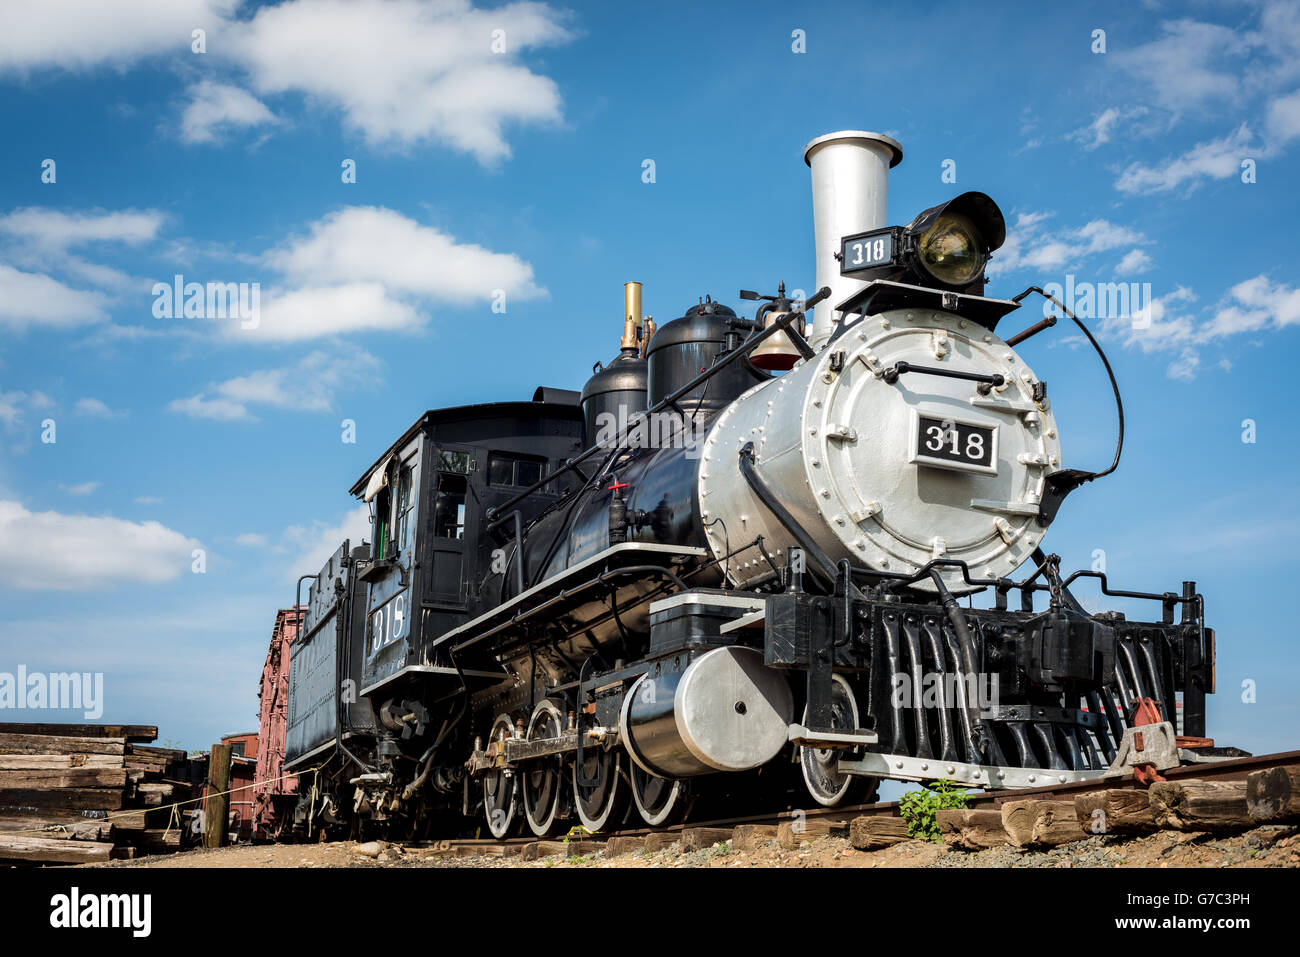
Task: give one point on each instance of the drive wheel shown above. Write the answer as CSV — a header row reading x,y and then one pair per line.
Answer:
x,y
821,775
659,801
542,780
501,787
600,806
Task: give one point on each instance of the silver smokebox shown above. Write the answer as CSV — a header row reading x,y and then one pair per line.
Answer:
x,y
850,186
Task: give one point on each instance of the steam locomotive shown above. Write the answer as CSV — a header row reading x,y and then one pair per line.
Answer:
x,y
728,569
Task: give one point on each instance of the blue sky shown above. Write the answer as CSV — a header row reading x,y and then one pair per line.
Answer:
x,y
519,170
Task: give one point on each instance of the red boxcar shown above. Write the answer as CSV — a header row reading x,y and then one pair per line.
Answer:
x,y
274,795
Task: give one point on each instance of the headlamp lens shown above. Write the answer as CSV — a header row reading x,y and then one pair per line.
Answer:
x,y
951,250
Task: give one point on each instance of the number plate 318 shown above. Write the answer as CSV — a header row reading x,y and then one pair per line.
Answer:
x,y
949,444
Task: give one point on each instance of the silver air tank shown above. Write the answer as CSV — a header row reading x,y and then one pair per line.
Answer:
x,y
850,186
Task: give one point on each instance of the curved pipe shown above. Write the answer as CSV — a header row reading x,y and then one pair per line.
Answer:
x,y
1114,385
826,568
974,728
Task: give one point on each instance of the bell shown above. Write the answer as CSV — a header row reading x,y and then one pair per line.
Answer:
x,y
777,353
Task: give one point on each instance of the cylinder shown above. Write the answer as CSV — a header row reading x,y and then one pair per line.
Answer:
x,y
726,711
850,186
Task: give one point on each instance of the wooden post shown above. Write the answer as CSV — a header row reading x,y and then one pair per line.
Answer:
x,y
216,807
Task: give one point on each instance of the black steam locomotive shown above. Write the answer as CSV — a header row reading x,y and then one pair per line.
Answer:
x,y
727,571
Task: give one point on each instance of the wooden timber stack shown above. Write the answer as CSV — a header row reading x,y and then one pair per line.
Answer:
x,y
86,793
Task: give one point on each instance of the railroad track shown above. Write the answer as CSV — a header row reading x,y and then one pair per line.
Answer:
x,y
818,821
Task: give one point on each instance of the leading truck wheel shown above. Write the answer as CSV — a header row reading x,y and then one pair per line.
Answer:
x,y
660,802
501,787
600,805
821,775
542,781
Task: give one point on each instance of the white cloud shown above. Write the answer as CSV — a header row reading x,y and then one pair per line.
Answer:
x,y
1185,366
311,313
1165,324
1184,68
216,108
1255,304
1244,76
55,551
1250,306
251,540
369,268
11,408
1213,159
148,500
84,488
1134,261
81,34
39,239
1103,125
374,244
402,72
1283,120
199,407
55,229
315,543
1031,246
95,409
14,407
35,299
308,386
405,72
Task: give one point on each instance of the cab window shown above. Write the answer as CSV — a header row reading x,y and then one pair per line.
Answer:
x,y
449,507
405,508
515,472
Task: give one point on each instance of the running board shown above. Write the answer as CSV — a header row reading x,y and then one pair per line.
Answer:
x,y
903,767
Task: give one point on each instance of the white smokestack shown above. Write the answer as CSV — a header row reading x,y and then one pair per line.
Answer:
x,y
850,185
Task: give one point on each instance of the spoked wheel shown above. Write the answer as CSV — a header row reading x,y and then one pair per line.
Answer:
x,y
501,788
599,805
661,802
543,781
821,774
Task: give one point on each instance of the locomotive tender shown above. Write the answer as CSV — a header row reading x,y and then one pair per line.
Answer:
x,y
728,569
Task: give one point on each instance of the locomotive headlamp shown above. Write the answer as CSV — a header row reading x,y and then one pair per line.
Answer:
x,y
947,246
951,251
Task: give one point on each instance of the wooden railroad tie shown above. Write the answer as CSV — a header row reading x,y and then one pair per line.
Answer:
x,y
965,829
1273,796
1198,805
1115,811
1031,823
